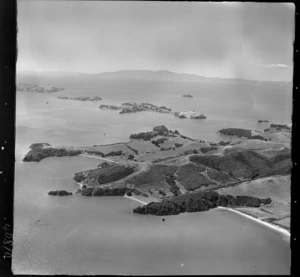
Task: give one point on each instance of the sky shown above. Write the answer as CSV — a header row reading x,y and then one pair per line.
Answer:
x,y
227,40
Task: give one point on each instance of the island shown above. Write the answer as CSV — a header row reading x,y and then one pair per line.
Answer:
x,y
171,173
81,98
38,88
190,114
133,107
59,193
109,107
262,121
187,96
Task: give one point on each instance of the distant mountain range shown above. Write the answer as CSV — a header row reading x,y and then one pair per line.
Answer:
x,y
160,75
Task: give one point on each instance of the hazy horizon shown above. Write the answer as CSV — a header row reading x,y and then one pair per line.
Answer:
x,y
148,70
251,41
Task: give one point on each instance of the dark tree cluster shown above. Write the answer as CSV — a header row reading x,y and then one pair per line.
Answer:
x,y
59,193
98,153
144,135
246,164
240,133
280,127
37,154
207,149
198,202
172,185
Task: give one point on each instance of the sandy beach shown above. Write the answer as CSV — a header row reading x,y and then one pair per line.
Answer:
x,y
269,225
135,199
78,184
96,157
274,227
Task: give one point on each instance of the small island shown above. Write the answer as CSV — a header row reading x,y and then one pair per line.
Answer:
x,y
38,88
262,121
187,96
190,114
81,98
59,193
110,107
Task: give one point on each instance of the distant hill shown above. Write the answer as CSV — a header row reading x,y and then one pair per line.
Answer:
x,y
160,75
151,75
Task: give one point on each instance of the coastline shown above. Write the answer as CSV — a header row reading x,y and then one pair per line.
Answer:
x,y
267,224
96,157
78,184
126,196
135,199
272,226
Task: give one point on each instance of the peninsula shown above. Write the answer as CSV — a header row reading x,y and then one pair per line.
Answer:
x,y
248,170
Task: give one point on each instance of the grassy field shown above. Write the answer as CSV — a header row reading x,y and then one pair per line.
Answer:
x,y
275,187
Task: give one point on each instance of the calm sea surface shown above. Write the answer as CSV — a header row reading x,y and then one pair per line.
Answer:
x,y
78,235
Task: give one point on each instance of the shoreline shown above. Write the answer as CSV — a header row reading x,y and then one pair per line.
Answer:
x,y
135,199
96,157
272,226
126,196
267,224
78,184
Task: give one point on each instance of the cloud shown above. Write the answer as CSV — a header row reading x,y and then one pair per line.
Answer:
x,y
272,65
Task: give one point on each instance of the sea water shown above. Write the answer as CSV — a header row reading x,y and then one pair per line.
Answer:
x,y
84,235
